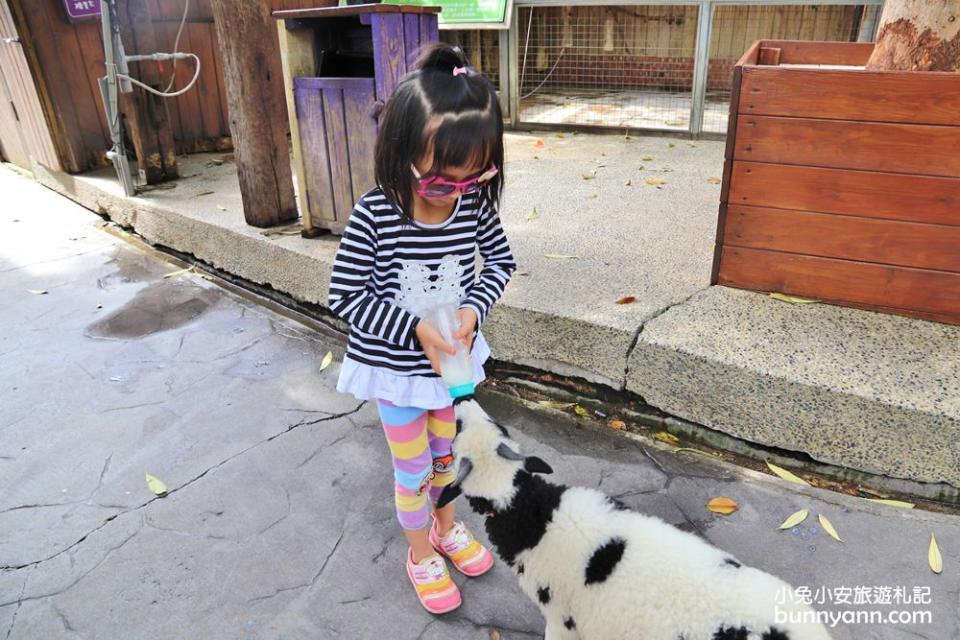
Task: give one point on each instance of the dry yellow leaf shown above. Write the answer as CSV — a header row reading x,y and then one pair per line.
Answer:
x,y
892,503
697,451
37,292
617,424
792,299
533,214
829,528
156,484
627,300
580,411
786,475
934,557
655,182
178,272
559,256
714,180
795,519
560,135
327,359
664,436
723,506
627,182
648,158
589,176
554,404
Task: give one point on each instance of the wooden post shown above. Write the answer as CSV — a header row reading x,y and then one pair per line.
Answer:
x,y
258,112
146,113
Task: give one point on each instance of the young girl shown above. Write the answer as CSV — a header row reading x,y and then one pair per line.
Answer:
x,y
439,170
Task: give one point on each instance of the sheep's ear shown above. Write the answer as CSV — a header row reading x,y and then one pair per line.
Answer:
x,y
504,451
452,490
533,464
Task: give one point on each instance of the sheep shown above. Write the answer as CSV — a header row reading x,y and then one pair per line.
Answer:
x,y
599,571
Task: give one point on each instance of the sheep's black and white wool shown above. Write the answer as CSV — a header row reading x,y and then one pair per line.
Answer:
x,y
599,571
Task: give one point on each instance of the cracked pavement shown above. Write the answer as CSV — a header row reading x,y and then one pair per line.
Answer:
x,y
279,518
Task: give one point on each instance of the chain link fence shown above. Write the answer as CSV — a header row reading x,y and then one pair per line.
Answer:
x,y
641,66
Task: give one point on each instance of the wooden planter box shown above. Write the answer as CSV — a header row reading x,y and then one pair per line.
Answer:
x,y
841,184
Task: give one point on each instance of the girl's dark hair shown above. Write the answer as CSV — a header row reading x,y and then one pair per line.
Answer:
x,y
458,117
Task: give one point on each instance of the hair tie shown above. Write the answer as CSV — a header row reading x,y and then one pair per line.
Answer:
x,y
459,71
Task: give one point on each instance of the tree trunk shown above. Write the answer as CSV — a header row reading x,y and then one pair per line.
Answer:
x,y
918,35
146,113
258,109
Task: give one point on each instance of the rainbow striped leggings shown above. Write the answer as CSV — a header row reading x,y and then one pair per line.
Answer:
x,y
419,442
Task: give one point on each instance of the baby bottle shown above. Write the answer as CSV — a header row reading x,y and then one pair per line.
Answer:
x,y
457,369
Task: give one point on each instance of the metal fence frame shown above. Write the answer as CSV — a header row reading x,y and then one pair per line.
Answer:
x,y
509,54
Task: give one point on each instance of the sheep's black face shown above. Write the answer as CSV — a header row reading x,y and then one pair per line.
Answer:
x,y
487,461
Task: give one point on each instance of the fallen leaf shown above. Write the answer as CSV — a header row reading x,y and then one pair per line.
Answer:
x,y
786,475
665,436
892,503
327,359
536,157
714,180
675,123
589,176
723,506
580,411
829,528
627,300
179,272
156,484
281,232
216,162
648,158
795,519
203,193
558,256
221,207
560,135
626,136
522,273
655,182
592,196
792,299
640,168
627,183
934,557
671,145
38,292
533,214
538,144
697,451
617,424
691,144
556,404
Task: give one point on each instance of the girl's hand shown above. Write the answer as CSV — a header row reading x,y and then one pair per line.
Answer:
x,y
433,344
468,322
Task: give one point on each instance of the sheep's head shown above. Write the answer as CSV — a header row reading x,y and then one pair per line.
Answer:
x,y
487,461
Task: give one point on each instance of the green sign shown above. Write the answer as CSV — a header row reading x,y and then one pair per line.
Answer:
x,y
459,14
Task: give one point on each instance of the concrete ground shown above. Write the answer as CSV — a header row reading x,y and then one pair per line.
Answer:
x,y
631,217
278,521
668,110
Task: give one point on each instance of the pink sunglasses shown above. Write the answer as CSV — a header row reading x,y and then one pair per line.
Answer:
x,y
438,187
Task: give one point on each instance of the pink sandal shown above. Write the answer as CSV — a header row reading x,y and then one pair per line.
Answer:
x,y
469,556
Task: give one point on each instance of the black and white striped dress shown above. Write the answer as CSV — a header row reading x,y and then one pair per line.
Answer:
x,y
384,360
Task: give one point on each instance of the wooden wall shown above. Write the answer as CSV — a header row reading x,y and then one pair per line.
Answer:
x,y
67,59
653,46
843,185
